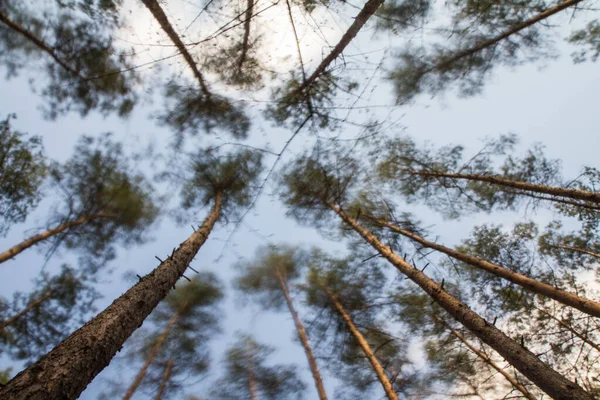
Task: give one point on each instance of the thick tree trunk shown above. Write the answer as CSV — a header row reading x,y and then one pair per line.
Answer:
x,y
303,339
364,345
532,187
153,353
547,379
570,299
165,380
579,250
166,26
66,371
29,307
488,361
24,245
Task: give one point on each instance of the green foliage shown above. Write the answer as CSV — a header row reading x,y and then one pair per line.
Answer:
x,y
22,170
5,376
567,249
245,361
398,15
590,37
238,65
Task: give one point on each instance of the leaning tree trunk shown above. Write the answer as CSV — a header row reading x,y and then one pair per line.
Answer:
x,y
570,299
36,303
66,371
153,353
578,250
24,245
165,379
488,360
312,362
550,381
364,345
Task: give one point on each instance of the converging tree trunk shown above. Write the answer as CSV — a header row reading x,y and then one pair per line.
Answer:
x,y
36,303
66,371
364,345
578,250
570,299
550,381
303,339
252,385
165,379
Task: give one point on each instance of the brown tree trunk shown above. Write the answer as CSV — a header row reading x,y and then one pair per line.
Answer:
x,y
547,379
166,26
570,299
13,251
66,371
153,353
252,385
532,187
303,339
165,379
511,379
579,250
29,307
364,345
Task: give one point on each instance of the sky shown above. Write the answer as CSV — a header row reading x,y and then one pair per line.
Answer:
x,y
553,103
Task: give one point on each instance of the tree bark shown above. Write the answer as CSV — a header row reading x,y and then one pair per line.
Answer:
x,y
252,385
166,26
303,339
165,379
488,360
29,307
153,353
579,250
364,345
24,245
570,299
546,378
532,187
66,371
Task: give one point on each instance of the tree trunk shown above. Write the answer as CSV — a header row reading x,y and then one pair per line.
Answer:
x,y
532,187
153,353
13,251
579,250
165,379
166,26
570,299
550,381
364,345
246,38
303,339
252,385
488,360
29,307
66,371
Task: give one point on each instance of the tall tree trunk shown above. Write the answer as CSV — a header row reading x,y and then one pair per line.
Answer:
x,y
578,250
364,345
570,329
165,379
532,187
30,306
246,39
570,299
166,26
252,385
511,379
303,338
153,353
13,251
550,381
65,371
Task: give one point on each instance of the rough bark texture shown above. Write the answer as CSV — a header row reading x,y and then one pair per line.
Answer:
x,y
312,362
532,187
153,353
546,378
165,380
579,250
166,26
66,371
24,245
29,307
572,300
489,361
364,345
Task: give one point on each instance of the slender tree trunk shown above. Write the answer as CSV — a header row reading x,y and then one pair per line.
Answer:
x,y
570,329
166,26
66,371
550,381
29,307
364,345
579,250
532,187
13,251
303,339
252,385
511,379
246,39
153,353
570,299
165,379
